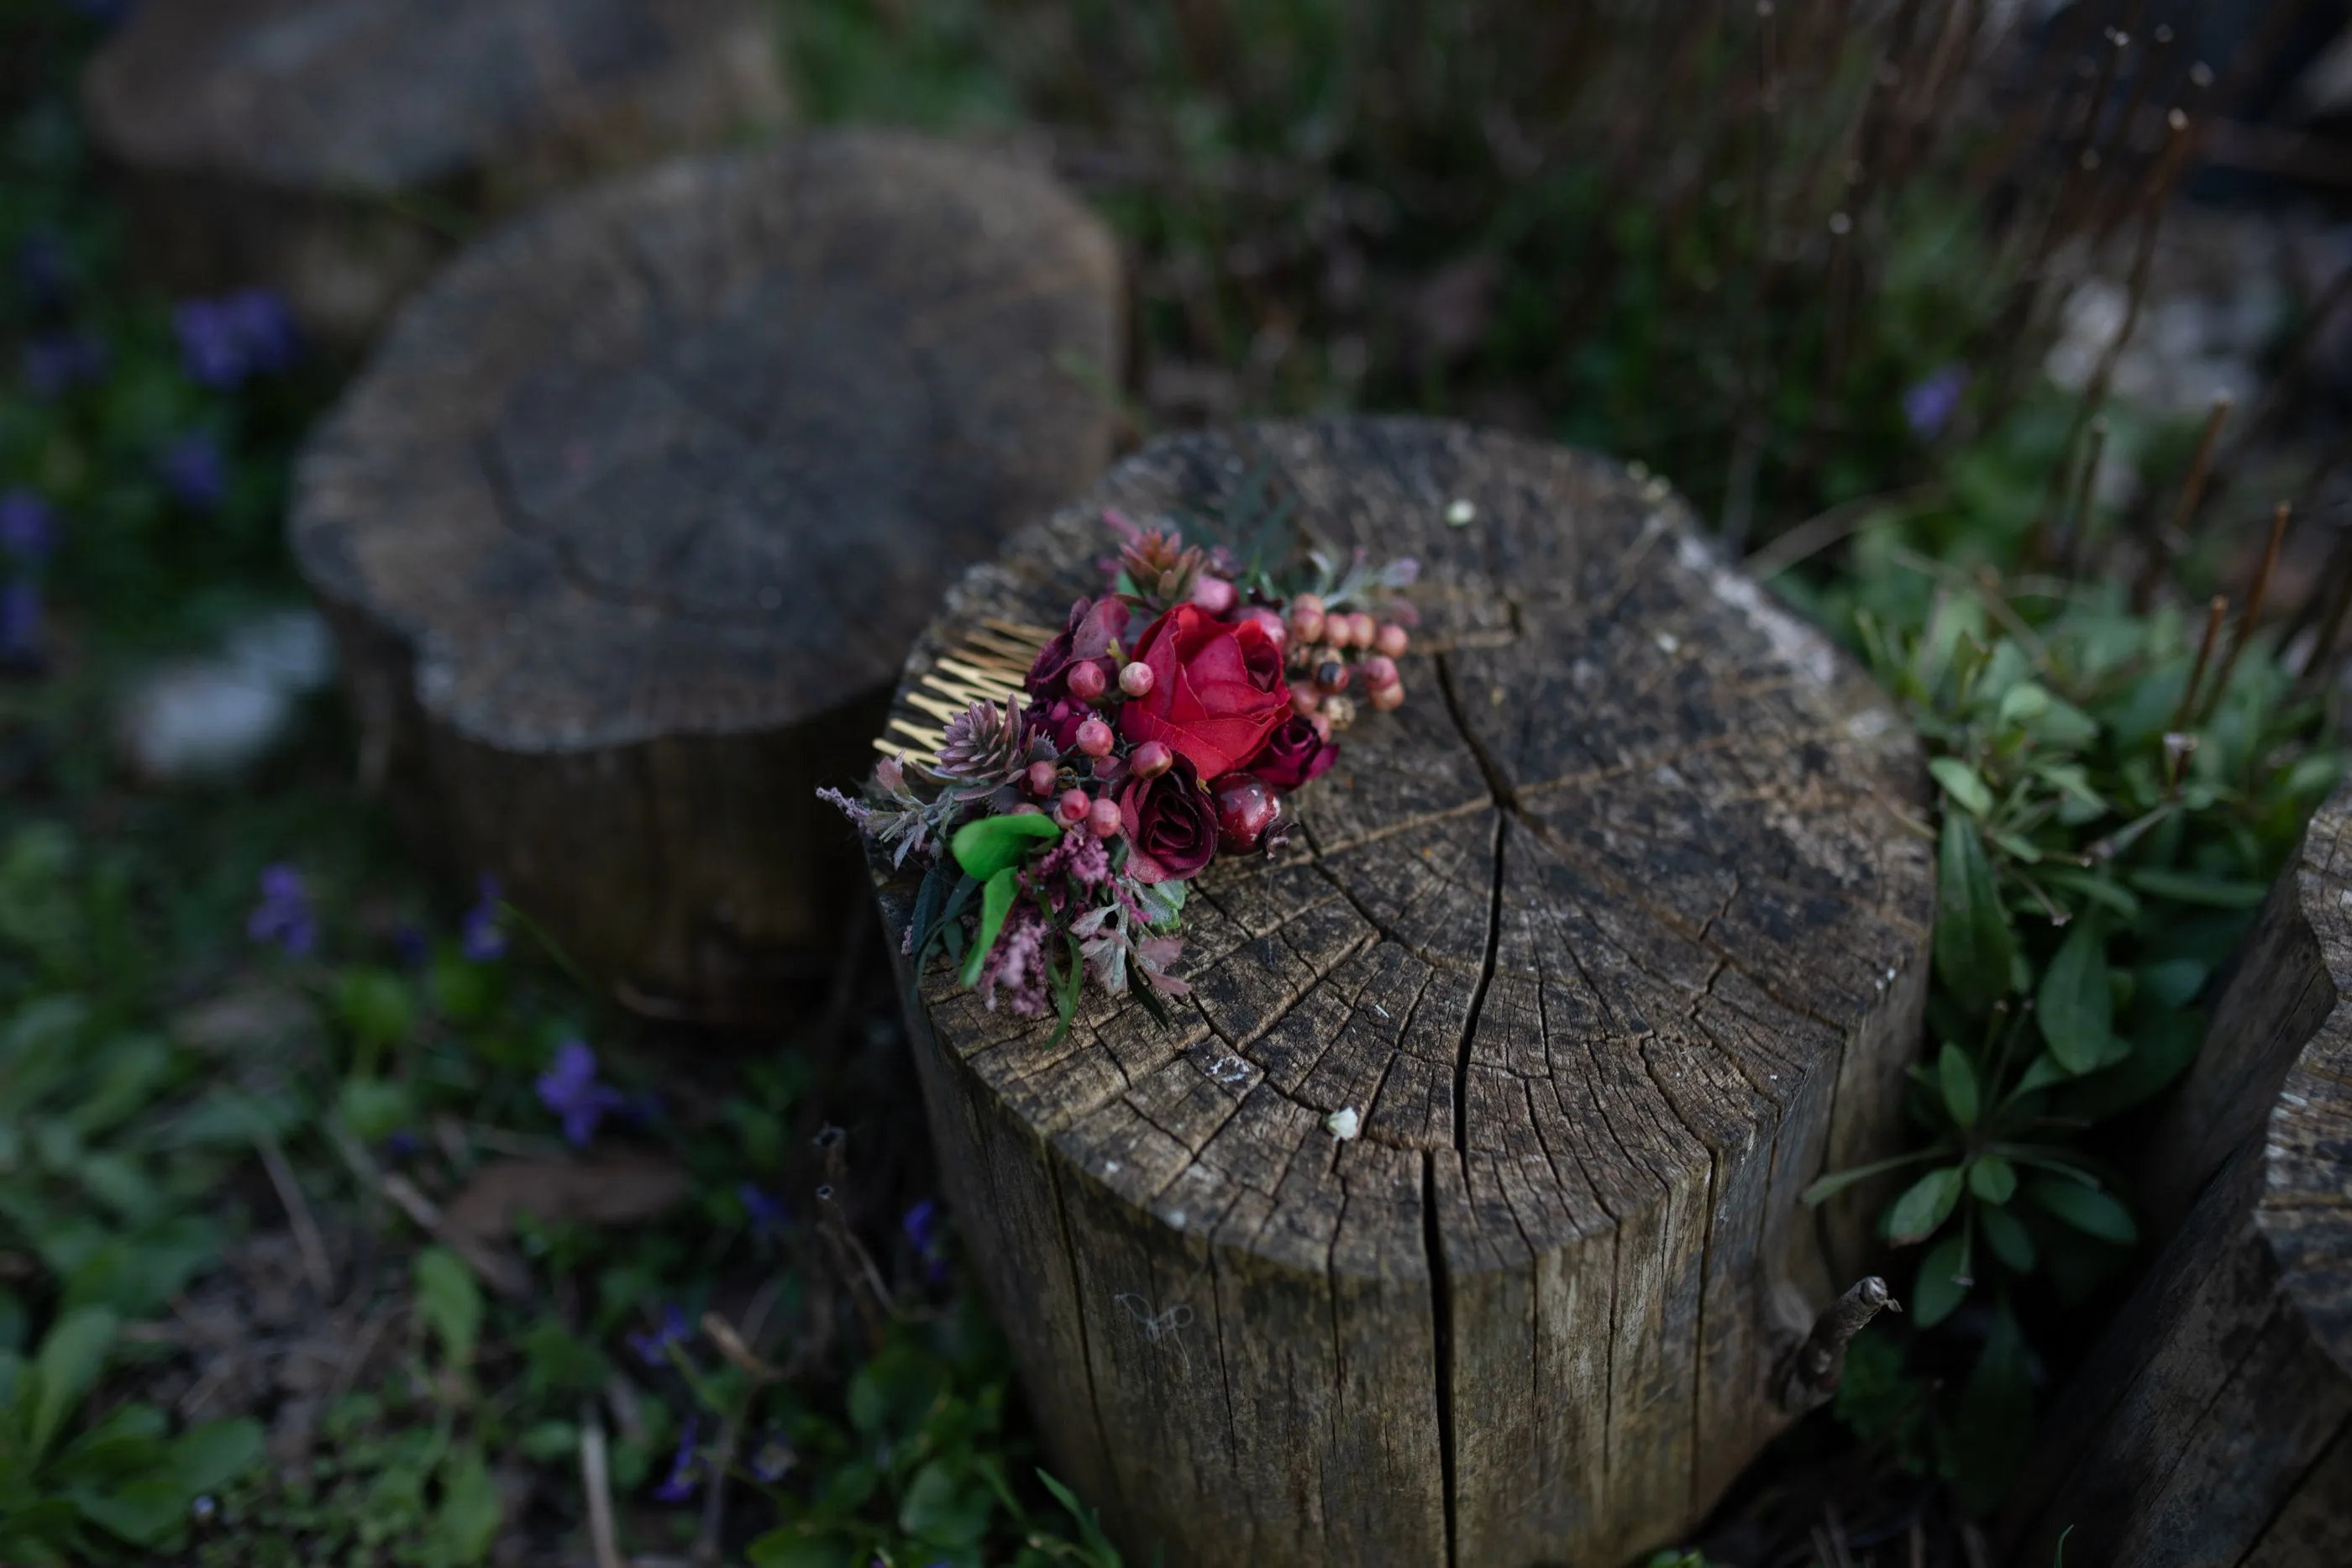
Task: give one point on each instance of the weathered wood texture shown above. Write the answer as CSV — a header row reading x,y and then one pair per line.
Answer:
x,y
627,528
1613,939
2213,1423
322,147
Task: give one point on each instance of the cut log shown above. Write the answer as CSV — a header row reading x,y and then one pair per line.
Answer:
x,y
627,528
1612,937
2213,1421
324,147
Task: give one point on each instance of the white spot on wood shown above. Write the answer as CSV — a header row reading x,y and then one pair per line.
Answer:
x,y
1870,724
1343,1123
1380,1010
1793,643
1111,1167
1460,514
1667,643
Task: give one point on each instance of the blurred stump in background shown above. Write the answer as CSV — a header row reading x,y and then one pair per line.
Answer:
x,y
1454,1216
629,524
334,150
2213,1422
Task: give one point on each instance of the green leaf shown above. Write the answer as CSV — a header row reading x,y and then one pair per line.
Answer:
x,y
938,1511
989,845
1963,784
150,1511
1837,1182
206,1459
2188,887
1992,1178
448,1302
1923,1205
2075,1005
2161,1050
995,903
1940,1287
374,1108
376,1006
71,1355
2173,983
2087,1209
2007,1235
794,1546
1995,1417
1974,947
470,1513
1957,1078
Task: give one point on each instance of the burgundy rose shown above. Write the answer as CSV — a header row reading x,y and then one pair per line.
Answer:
x,y
1217,690
1094,627
1294,754
1171,824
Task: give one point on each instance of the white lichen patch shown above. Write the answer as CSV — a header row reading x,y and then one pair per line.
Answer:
x,y
1343,1123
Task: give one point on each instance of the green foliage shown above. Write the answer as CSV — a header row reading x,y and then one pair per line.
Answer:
x,y
118,1490
2104,831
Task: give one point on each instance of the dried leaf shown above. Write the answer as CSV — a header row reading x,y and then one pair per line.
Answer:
x,y
624,1189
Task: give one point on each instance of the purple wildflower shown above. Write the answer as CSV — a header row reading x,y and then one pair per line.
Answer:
x,y
653,1348
770,1459
28,532
570,1088
195,471
481,938
401,1147
224,340
685,1466
55,361
1082,857
283,915
922,1224
408,941
20,624
769,1215
1929,406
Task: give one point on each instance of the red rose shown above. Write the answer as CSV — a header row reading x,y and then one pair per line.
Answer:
x,y
1217,690
1170,823
1294,754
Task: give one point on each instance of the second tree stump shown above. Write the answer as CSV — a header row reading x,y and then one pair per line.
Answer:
x,y
626,529
1613,937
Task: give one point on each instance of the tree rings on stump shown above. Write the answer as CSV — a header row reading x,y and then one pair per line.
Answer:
x,y
627,528
1612,937
324,147
2213,1421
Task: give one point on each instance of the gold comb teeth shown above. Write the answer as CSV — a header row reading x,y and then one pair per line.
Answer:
x,y
989,667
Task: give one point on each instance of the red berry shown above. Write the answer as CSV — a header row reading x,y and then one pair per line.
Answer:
x,y
1304,700
1102,819
1246,807
1094,738
1151,759
1331,676
1392,639
1389,699
1087,681
1136,680
1306,619
1322,723
1040,778
1360,630
1072,808
1379,670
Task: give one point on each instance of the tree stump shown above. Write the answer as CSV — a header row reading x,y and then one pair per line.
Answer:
x,y
2213,1422
325,147
1612,936
629,525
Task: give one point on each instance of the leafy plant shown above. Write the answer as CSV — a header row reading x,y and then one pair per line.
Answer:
x,y
117,1491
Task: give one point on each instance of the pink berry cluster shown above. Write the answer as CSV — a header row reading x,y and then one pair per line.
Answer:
x,y
1320,642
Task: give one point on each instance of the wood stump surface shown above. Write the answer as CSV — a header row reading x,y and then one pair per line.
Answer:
x,y
629,524
2213,1423
324,147
1613,938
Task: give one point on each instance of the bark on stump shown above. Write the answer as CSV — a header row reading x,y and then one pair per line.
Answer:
x,y
2213,1423
629,525
1612,936
323,147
